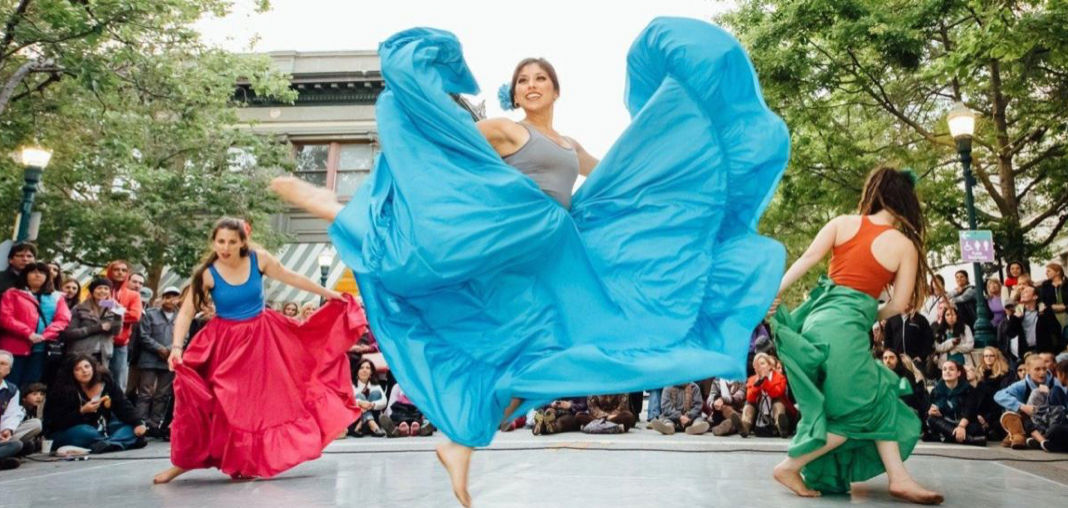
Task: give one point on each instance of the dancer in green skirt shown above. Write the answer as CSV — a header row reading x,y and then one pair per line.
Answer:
x,y
853,424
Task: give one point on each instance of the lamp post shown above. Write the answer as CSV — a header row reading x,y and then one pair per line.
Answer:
x,y
962,126
34,159
326,260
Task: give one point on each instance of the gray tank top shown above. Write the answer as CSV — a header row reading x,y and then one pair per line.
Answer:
x,y
551,166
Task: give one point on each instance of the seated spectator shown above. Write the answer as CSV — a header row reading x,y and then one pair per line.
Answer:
x,y
768,409
1051,419
30,430
564,415
951,416
680,409
87,410
31,315
371,399
603,411
308,309
1032,327
155,381
917,398
401,418
910,334
1019,401
953,340
93,325
877,338
653,411
291,310
992,375
725,399
17,433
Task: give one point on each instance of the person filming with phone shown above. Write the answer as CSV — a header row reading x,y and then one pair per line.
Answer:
x,y
94,323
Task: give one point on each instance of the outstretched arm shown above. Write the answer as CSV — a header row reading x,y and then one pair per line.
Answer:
x,y
317,201
274,269
821,245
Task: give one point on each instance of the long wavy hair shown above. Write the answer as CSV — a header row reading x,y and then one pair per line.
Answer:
x,y
1000,367
894,191
200,295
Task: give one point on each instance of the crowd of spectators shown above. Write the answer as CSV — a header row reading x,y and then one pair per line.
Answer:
x,y
87,369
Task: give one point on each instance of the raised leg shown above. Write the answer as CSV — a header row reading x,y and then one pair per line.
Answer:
x,y
788,472
317,201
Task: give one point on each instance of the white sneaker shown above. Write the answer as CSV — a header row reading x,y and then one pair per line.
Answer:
x,y
71,451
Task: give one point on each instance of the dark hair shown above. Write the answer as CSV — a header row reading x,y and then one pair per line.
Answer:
x,y
23,281
544,64
1017,263
21,247
962,272
889,189
900,368
940,278
139,274
97,282
200,297
356,372
956,365
57,281
65,382
958,327
33,388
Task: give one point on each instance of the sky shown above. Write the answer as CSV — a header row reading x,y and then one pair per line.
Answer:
x,y
586,40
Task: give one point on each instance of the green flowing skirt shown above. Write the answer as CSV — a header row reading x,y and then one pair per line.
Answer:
x,y
840,388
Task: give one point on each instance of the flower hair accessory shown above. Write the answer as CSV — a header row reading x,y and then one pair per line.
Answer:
x,y
911,175
504,94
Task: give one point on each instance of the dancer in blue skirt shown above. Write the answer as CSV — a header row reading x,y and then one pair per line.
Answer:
x,y
491,289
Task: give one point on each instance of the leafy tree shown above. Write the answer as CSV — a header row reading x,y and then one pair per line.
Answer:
x,y
142,121
861,82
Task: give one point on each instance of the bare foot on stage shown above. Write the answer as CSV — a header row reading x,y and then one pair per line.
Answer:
x,y
317,201
791,478
167,475
456,459
914,493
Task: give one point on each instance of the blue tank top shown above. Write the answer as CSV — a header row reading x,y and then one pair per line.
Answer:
x,y
240,302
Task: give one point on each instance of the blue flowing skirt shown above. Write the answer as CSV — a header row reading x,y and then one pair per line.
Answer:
x,y
481,288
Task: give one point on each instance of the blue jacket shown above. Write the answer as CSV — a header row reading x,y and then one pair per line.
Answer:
x,y
1013,396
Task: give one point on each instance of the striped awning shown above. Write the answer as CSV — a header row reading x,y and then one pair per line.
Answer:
x,y
303,258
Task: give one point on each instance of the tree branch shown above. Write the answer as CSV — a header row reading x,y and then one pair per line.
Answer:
x,y
12,22
52,78
1056,150
1054,232
1053,210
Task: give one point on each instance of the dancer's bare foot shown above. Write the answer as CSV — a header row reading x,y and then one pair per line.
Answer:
x,y
167,475
913,492
791,478
317,201
457,459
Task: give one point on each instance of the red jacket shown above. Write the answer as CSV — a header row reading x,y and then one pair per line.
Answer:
x,y
774,387
131,301
19,318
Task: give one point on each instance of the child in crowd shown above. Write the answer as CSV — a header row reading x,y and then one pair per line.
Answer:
x,y
680,409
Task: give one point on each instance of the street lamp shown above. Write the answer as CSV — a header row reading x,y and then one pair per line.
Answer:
x,y
326,260
962,126
34,159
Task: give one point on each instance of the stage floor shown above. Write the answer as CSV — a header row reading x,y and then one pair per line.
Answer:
x,y
641,468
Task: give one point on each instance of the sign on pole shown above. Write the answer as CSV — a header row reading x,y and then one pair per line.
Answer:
x,y
977,246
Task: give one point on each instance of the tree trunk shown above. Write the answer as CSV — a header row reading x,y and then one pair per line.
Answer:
x,y
155,273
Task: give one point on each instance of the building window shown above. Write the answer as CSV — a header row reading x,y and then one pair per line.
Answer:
x,y
312,162
354,164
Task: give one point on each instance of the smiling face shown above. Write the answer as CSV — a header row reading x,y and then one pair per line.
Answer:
x,y
227,244
535,88
101,293
364,373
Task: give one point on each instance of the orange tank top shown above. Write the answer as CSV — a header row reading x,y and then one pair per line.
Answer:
x,y
854,266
